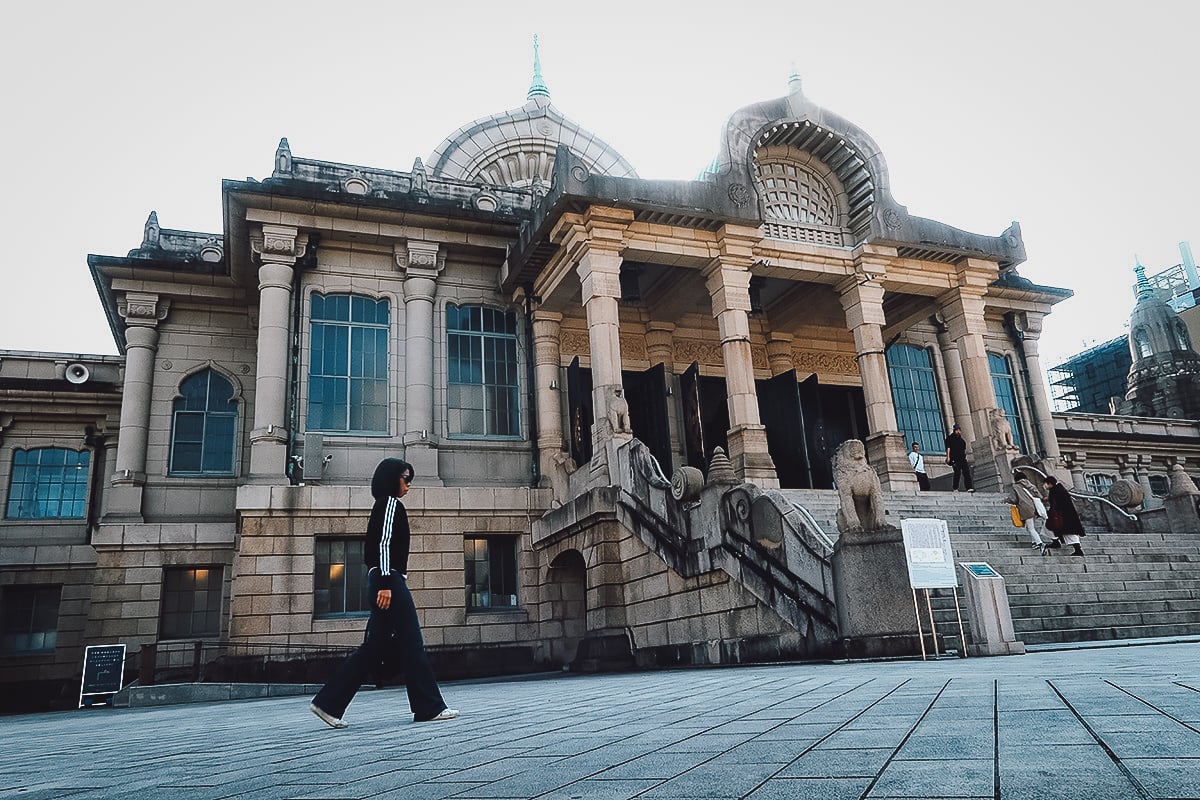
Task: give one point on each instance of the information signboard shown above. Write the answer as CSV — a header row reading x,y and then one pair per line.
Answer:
x,y
928,553
103,672
980,569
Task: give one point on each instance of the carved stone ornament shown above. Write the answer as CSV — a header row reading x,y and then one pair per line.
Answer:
x,y
891,219
824,362
575,343
739,195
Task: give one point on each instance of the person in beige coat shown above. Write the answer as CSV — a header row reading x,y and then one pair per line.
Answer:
x,y
1025,496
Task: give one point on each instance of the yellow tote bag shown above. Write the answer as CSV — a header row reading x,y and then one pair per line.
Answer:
x,y
1016,517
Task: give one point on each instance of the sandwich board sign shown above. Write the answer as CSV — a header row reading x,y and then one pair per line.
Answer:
x,y
928,553
103,672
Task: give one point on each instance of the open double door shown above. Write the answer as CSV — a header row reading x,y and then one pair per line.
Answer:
x,y
805,421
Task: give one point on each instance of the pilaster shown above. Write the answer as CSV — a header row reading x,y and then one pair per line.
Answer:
x,y
421,263
277,249
1028,325
142,312
547,360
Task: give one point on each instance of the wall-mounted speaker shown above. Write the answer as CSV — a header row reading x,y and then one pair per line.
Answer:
x,y
78,373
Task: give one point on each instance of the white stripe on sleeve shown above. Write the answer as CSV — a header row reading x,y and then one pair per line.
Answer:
x,y
385,538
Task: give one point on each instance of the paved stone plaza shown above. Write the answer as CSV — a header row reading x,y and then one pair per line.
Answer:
x,y
1117,722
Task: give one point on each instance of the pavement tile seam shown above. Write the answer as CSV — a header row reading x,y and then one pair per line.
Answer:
x,y
1108,751
1152,706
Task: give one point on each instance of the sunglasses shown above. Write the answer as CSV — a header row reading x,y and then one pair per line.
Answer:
x,y
407,479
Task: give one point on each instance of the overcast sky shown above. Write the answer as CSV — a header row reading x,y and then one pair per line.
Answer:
x,y
1076,119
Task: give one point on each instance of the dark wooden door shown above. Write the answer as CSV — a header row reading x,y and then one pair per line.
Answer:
x,y
820,447
579,410
693,430
648,414
783,416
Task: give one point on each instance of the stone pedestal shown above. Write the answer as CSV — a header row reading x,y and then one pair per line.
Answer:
x,y
873,597
987,607
888,454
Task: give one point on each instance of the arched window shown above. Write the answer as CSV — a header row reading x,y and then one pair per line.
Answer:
x,y
348,371
48,483
915,395
203,426
1006,396
481,390
1142,342
1182,339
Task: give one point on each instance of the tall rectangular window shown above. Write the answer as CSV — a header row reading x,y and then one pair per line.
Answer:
x,y
482,387
191,602
48,483
915,395
491,572
340,581
348,374
29,619
1006,396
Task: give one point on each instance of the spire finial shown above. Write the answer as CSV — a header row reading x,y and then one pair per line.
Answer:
x,y
795,85
1144,289
537,87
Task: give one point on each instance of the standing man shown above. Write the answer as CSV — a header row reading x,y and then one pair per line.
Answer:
x,y
956,457
918,464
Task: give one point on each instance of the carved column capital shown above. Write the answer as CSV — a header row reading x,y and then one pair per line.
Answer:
x,y
277,243
419,259
139,308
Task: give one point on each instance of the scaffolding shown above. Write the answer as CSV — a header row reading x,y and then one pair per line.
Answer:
x,y
1086,382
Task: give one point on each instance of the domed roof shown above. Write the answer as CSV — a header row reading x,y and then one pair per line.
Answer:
x,y
1154,327
516,147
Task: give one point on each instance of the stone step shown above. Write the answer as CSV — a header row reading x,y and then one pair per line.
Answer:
x,y
1100,608
1100,634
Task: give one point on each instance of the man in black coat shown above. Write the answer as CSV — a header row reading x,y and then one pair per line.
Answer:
x,y
956,457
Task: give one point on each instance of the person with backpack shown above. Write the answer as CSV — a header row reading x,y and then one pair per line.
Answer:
x,y
1028,503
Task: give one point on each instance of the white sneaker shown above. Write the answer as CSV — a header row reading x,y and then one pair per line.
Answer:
x,y
446,713
327,718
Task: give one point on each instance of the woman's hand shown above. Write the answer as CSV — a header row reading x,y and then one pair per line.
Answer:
x,y
384,599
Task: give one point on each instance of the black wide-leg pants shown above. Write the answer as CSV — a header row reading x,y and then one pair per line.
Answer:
x,y
393,639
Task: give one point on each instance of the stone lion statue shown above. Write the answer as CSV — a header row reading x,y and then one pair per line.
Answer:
x,y
1002,434
618,410
858,489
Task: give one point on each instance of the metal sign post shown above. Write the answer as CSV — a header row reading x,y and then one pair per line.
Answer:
x,y
930,560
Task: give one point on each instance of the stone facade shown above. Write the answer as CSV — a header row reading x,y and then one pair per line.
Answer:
x,y
516,314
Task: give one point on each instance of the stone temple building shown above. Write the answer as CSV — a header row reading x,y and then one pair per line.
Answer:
x,y
549,339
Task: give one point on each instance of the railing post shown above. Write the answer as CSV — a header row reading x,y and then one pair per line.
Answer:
x,y
197,651
148,658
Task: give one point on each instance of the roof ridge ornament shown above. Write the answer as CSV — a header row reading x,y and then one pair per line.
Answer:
x,y
1144,289
537,87
795,84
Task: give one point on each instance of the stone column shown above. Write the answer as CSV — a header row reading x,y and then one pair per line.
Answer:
x,y
142,313
862,300
779,352
599,271
960,408
660,344
278,250
1029,326
1074,463
1145,463
728,282
547,360
963,309
421,263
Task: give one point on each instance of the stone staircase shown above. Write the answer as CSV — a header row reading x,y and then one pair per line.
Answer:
x,y
1127,586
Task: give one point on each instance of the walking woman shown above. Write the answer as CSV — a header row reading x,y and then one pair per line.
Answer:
x,y
393,631
1025,497
1062,519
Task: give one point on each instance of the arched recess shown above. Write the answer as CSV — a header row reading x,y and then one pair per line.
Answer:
x,y
566,594
803,199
